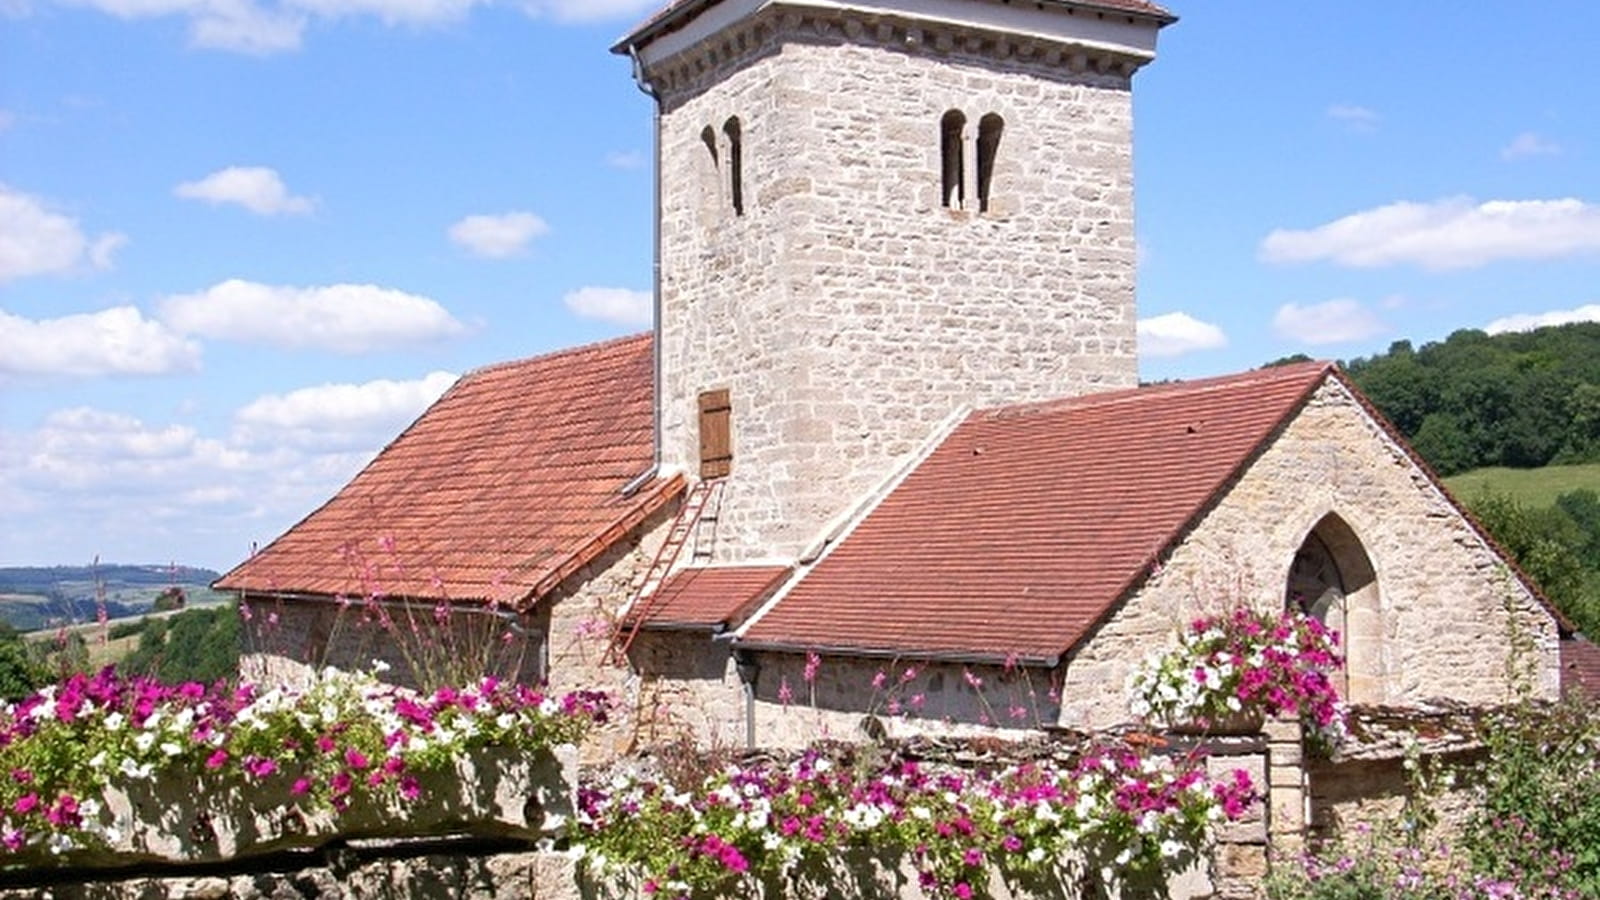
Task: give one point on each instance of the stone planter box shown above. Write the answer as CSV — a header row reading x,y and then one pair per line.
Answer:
x,y
175,818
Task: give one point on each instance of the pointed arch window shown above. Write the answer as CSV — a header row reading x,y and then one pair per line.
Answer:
x,y
1332,579
952,158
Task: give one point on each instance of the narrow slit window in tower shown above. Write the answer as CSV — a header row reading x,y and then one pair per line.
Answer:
x,y
735,134
989,130
952,163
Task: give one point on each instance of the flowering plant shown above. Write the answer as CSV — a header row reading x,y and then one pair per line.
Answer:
x,y
1242,663
343,737
1144,816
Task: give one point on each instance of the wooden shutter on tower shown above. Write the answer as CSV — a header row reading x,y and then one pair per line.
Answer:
x,y
716,440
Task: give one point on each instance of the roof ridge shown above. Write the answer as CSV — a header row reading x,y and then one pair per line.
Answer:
x,y
1290,372
557,354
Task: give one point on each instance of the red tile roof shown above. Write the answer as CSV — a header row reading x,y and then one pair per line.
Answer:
x,y
500,490
676,13
712,596
1580,666
1029,523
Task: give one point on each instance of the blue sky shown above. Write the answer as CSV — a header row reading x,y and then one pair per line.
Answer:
x,y
244,242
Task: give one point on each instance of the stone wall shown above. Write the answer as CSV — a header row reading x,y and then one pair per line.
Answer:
x,y
848,311
691,683
562,638
1439,617
444,875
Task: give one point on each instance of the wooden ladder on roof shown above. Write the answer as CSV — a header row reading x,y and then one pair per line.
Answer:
x,y
702,505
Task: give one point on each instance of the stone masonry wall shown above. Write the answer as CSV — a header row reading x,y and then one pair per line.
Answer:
x,y
848,312
1444,613
692,686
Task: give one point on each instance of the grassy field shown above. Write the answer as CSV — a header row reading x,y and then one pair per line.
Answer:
x,y
1531,487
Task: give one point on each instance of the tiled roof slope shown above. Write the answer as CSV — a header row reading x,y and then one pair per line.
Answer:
x,y
1028,523
505,486
1580,666
711,596
671,16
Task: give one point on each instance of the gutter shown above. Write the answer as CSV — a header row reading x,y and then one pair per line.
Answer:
x,y
646,88
932,656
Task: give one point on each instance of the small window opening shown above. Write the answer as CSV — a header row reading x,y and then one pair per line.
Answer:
x,y
735,134
989,130
716,444
952,158
709,138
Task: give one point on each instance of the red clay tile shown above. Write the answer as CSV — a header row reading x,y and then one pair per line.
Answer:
x,y
505,486
1580,666
711,596
1028,523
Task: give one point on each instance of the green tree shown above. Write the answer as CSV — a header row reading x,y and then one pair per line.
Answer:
x,y
21,671
195,645
1444,444
1549,546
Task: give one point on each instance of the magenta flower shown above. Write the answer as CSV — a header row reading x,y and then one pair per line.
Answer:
x,y
216,759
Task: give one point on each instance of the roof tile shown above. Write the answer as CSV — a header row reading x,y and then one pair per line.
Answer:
x,y
1028,523
711,596
497,492
1580,666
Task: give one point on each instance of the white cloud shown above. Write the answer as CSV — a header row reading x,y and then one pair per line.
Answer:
x,y
344,318
1455,233
608,304
104,247
264,27
498,236
588,10
256,188
1176,333
1528,144
117,341
1333,322
631,159
240,26
93,482
1355,118
343,416
35,240
1529,321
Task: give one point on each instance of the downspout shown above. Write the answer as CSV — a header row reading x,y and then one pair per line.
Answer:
x,y
749,670
641,81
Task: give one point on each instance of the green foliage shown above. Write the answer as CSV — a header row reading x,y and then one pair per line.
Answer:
x,y
1517,399
128,629
196,645
1551,547
21,671
1540,816
1534,833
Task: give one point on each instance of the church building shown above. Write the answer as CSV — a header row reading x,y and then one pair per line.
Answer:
x,y
889,421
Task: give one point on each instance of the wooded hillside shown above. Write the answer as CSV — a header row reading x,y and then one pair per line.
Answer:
x,y
1519,399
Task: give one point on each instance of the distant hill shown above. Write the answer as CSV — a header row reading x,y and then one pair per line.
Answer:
x,y
1519,399
35,597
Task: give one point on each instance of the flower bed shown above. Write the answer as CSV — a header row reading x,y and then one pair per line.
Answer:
x,y
102,769
1241,666
1114,812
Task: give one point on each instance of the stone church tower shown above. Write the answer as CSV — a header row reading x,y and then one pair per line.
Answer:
x,y
871,216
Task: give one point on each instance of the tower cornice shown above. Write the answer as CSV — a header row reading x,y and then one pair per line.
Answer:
x,y
1115,37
